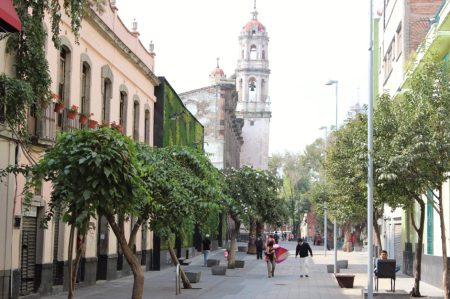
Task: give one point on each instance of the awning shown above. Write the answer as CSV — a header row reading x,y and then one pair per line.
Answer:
x,y
9,21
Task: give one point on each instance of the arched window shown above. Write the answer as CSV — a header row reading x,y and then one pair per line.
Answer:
x,y
253,53
240,89
136,120
263,55
107,82
147,127
85,87
252,90
64,79
242,54
107,87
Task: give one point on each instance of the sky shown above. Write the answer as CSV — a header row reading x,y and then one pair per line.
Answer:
x,y
310,43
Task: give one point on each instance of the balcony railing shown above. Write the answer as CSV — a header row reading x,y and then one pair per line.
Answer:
x,y
44,128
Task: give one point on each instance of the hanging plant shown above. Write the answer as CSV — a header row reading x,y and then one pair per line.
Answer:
x,y
72,114
16,96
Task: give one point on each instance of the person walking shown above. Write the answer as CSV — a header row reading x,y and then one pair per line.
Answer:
x,y
270,259
206,248
259,246
303,249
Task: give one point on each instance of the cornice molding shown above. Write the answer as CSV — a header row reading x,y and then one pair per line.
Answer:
x,y
132,57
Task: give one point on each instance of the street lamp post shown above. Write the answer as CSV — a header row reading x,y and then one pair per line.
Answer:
x,y
329,83
325,219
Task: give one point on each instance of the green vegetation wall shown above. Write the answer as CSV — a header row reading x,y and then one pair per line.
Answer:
x,y
174,124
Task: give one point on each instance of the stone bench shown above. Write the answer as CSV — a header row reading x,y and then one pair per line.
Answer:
x,y
193,276
330,269
218,270
342,264
184,262
345,280
212,262
239,263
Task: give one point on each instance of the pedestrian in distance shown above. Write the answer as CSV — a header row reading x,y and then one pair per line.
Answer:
x,y
303,250
270,259
276,237
259,247
206,248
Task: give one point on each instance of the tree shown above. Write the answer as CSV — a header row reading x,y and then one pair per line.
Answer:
x,y
186,189
423,153
252,195
93,172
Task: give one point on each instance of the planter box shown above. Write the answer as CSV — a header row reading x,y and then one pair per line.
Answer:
x,y
219,270
193,277
211,262
239,264
242,248
342,264
345,280
330,269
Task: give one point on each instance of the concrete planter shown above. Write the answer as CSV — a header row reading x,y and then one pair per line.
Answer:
x,y
345,280
239,264
193,277
330,269
212,262
342,264
219,270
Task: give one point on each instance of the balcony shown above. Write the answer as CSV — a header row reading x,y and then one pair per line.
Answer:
x,y
43,129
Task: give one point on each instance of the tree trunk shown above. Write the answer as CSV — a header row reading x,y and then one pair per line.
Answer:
x,y
251,249
378,214
138,283
233,245
70,295
186,282
415,292
445,276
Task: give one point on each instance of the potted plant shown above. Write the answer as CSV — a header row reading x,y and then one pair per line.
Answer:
x,y
92,122
117,127
72,112
59,105
84,118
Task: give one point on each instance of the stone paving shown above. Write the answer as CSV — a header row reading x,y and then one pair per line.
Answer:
x,y
251,282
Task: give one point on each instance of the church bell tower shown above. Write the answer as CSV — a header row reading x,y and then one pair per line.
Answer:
x,y
252,84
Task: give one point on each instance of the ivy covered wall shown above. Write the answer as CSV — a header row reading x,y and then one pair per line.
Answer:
x,y
174,124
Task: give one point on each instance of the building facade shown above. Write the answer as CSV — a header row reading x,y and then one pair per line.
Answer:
x,y
214,106
108,75
252,85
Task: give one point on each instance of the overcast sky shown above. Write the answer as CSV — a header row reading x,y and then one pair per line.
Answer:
x,y
311,42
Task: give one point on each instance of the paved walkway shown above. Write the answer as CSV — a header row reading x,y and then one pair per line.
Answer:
x,y
251,282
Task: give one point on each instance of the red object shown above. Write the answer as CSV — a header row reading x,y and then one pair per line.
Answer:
x,y
83,119
71,115
281,254
9,21
58,106
92,124
254,24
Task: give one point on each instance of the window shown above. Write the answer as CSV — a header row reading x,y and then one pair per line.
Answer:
x,y
242,54
85,87
136,120
147,127
253,53
388,62
252,90
252,123
263,55
398,38
123,100
63,79
105,101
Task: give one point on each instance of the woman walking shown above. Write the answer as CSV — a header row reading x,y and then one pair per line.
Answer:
x,y
270,259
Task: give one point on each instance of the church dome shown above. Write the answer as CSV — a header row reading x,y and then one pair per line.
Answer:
x,y
254,24
217,72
